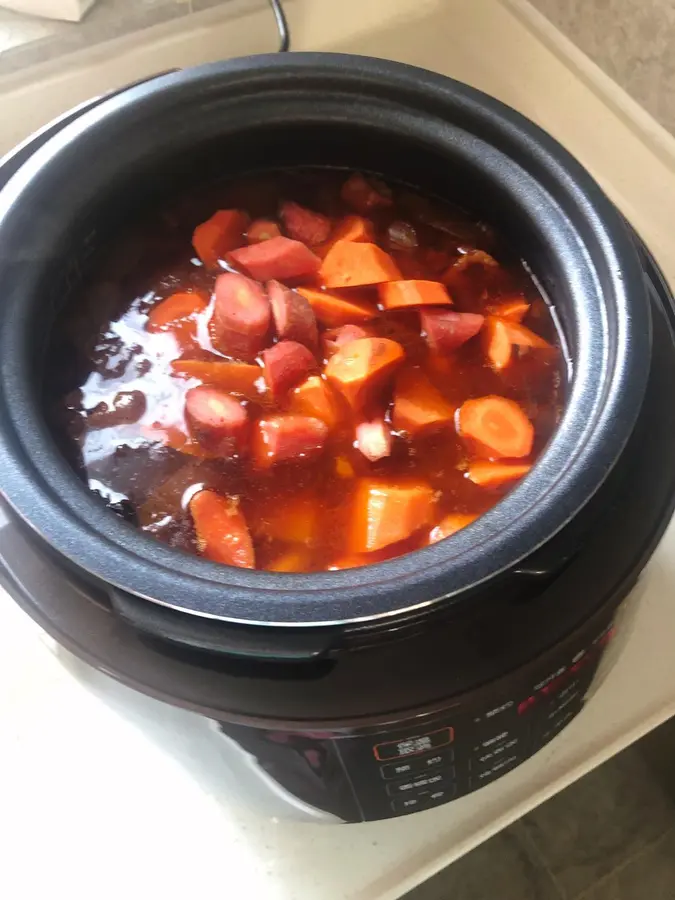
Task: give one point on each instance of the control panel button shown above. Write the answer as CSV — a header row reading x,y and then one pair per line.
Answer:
x,y
486,757
408,804
412,746
417,764
418,802
420,784
490,773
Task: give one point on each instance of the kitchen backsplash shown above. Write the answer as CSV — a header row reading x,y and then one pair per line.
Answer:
x,y
632,40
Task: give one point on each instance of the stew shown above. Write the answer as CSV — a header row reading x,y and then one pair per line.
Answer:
x,y
306,371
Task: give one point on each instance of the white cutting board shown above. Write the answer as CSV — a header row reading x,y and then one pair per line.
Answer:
x,y
69,10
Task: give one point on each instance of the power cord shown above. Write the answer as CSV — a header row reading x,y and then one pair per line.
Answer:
x,y
282,26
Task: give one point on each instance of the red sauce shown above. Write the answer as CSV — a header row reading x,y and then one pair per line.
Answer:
x,y
369,458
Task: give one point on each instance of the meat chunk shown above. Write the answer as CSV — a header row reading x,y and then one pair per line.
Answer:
x,y
365,195
241,316
286,364
216,420
294,318
277,258
445,331
288,438
304,225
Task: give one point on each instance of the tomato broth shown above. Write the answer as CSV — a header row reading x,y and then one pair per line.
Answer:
x,y
305,370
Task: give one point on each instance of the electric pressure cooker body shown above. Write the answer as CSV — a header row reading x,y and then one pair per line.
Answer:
x,y
401,666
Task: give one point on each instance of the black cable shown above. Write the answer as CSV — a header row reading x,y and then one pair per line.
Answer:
x,y
282,26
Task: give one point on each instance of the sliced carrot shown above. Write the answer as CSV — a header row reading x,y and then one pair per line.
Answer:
x,y
315,397
223,232
333,310
493,474
405,294
418,406
353,263
296,560
386,513
497,344
238,378
363,367
450,525
222,532
216,420
514,310
278,439
524,337
175,308
499,426
353,228
343,468
293,521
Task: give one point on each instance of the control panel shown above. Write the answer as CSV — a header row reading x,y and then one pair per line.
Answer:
x,y
423,762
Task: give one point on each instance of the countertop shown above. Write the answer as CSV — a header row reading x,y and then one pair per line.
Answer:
x,y
105,793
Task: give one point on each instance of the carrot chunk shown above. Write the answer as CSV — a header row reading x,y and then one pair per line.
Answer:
x,y
497,344
334,338
514,310
286,364
223,232
418,406
303,224
176,308
295,560
241,316
294,521
406,294
354,228
493,474
524,337
293,315
445,331
222,532
450,525
288,437
498,426
374,439
363,367
216,420
277,258
236,378
387,513
354,263
262,230
333,310
315,398
365,195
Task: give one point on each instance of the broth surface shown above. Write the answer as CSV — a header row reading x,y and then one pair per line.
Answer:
x,y
393,456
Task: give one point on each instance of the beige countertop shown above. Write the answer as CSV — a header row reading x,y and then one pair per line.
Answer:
x,y
80,773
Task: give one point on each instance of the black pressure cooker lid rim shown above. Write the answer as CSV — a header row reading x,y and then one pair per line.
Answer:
x,y
131,561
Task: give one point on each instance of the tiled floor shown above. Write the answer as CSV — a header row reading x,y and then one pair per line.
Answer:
x,y
611,836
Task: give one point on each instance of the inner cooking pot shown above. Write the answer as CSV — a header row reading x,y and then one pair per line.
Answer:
x,y
405,124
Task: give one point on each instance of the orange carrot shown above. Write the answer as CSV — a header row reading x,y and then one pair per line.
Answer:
x,y
294,522
524,337
361,368
497,344
493,474
403,294
175,308
418,406
238,378
223,232
296,560
498,426
450,525
387,513
333,310
353,263
353,228
222,532
262,230
514,310
315,397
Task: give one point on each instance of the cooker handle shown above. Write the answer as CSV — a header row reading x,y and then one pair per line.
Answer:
x,y
252,642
